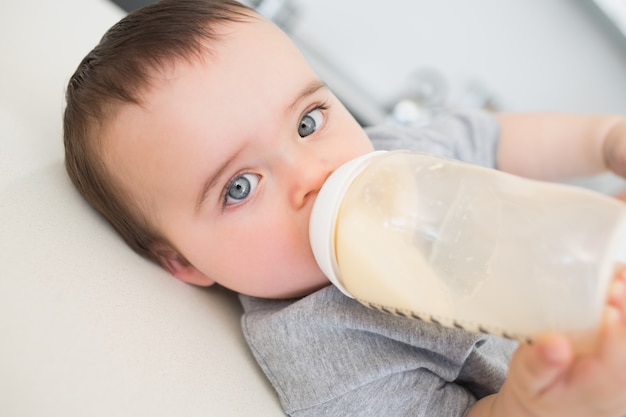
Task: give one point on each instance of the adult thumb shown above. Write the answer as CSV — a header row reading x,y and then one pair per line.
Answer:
x,y
537,366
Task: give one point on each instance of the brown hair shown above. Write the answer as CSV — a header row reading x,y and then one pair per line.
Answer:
x,y
116,72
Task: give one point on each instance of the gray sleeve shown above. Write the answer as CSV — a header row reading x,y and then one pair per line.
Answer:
x,y
471,136
414,393
328,355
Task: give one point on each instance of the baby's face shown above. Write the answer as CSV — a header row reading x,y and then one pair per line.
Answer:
x,y
228,155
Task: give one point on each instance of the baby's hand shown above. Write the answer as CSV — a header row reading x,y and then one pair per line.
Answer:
x,y
547,379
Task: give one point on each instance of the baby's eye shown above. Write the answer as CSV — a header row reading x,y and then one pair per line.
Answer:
x,y
310,123
240,188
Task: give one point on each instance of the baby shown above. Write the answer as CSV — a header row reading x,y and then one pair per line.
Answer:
x,y
202,135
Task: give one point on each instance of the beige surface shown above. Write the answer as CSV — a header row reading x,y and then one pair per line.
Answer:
x,y
88,328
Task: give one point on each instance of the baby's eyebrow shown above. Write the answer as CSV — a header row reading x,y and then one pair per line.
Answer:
x,y
310,89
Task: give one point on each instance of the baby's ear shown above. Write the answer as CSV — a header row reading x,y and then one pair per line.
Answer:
x,y
183,270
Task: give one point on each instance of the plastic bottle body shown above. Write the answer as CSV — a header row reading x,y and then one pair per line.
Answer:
x,y
476,248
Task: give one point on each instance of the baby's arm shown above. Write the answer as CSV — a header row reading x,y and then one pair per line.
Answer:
x,y
555,146
546,379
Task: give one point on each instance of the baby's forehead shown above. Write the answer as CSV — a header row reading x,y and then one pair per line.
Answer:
x,y
247,60
230,37
202,49
233,47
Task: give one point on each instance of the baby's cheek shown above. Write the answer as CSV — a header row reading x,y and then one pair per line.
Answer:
x,y
296,258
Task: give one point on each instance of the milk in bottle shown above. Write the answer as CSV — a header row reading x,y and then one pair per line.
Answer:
x,y
467,246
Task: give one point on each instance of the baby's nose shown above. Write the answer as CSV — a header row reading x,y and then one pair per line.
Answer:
x,y
308,177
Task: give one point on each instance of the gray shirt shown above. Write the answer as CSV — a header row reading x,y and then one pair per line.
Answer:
x,y
327,355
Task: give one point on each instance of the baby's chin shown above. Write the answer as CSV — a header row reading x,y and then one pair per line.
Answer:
x,y
295,291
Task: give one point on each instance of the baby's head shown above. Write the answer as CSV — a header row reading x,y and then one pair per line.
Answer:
x,y
202,135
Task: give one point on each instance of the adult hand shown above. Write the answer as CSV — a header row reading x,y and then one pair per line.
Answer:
x,y
548,379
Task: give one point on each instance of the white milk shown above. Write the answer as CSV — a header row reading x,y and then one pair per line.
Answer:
x,y
466,246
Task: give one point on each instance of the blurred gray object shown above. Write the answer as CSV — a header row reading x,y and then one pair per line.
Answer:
x,y
130,5
615,12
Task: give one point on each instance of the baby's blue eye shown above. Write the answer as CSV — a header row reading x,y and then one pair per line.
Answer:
x,y
310,123
240,188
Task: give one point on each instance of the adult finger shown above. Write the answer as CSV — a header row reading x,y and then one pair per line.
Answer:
x,y
534,368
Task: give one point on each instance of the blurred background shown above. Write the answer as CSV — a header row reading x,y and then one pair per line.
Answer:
x,y
89,329
401,61
565,55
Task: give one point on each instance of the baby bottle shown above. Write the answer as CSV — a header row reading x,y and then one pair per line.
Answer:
x,y
466,246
